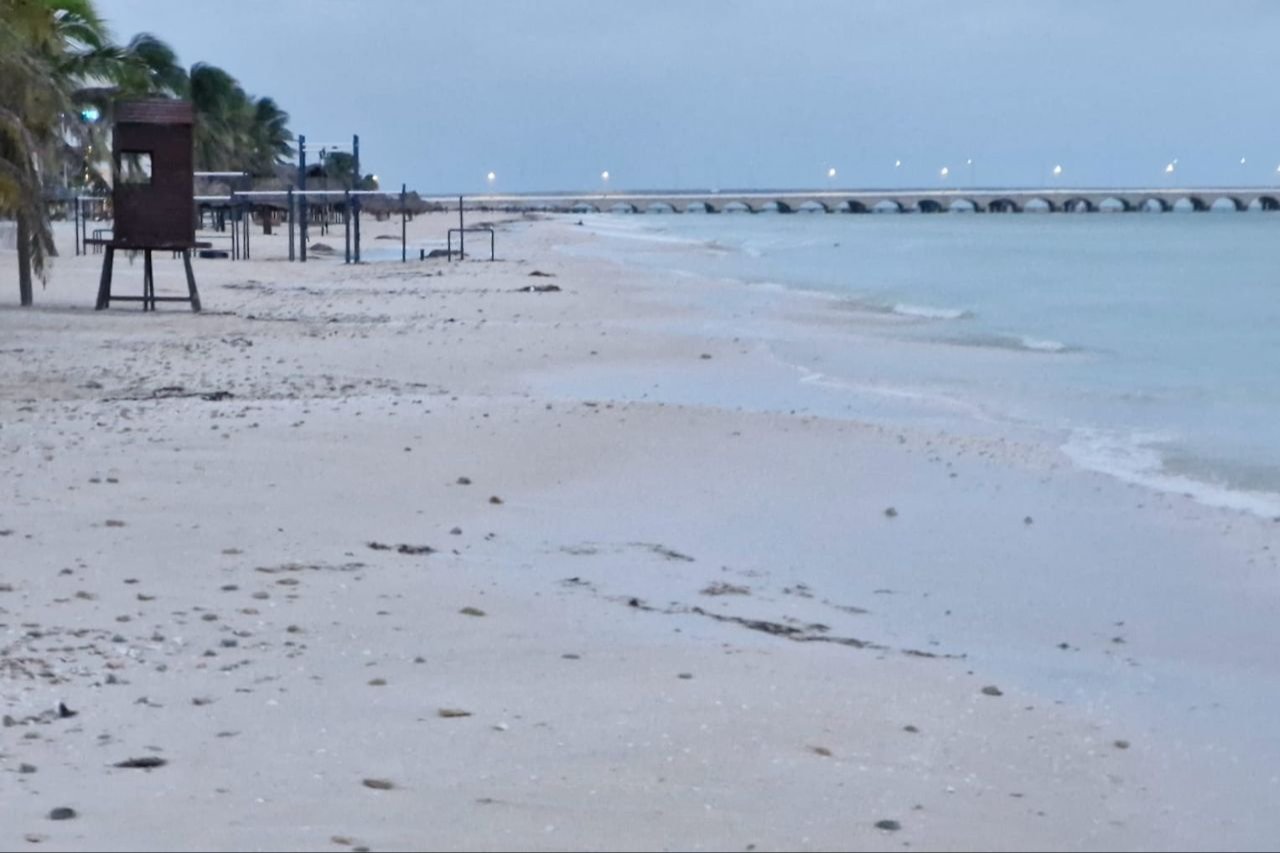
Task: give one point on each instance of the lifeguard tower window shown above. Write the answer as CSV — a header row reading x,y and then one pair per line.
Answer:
x,y
135,167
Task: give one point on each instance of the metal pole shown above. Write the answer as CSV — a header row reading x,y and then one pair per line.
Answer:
x,y
248,226
76,205
148,283
290,212
346,226
404,224
355,154
302,198
462,232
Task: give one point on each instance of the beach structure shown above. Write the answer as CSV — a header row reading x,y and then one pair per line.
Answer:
x,y
149,173
153,194
316,196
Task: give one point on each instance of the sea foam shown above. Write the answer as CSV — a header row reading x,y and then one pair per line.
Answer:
x,y
1136,458
929,312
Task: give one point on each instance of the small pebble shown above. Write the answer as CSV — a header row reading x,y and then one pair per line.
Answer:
x,y
888,825
992,691
891,512
63,814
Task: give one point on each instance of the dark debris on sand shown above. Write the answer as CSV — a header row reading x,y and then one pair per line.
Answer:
x,y
409,550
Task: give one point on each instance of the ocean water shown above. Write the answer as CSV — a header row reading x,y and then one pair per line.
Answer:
x,y
1147,346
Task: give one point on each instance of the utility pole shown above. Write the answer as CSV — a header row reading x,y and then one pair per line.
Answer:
x,y
355,153
302,198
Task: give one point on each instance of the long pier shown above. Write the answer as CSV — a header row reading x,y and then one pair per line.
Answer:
x,y
1048,200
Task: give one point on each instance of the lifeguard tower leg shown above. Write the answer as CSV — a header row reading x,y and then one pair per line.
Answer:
x,y
104,286
191,282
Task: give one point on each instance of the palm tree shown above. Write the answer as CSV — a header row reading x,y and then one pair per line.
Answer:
x,y
218,101
271,137
149,66
235,131
32,100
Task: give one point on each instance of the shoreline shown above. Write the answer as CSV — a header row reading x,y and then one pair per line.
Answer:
x,y
362,395
929,335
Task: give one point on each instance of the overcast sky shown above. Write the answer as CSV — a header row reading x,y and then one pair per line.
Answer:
x,y
756,93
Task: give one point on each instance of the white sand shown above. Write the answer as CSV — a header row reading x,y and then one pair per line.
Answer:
x,y
233,625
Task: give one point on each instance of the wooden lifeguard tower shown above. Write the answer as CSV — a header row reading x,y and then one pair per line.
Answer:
x,y
153,166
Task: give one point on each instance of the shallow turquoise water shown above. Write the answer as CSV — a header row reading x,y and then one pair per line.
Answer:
x,y
1149,342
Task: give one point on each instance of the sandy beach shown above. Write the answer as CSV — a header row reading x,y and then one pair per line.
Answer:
x,y
398,557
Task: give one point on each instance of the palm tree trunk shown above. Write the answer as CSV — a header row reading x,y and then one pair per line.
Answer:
x,y
24,262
